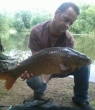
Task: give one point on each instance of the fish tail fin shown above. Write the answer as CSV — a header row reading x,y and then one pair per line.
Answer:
x,y
10,80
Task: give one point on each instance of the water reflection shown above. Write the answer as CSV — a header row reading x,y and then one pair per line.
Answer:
x,y
86,45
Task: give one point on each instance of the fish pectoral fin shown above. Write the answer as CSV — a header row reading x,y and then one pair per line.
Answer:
x,y
62,67
45,77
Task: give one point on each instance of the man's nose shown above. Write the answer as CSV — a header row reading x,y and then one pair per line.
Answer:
x,y
67,24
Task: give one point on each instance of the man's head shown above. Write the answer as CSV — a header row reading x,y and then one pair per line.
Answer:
x,y
65,15
64,6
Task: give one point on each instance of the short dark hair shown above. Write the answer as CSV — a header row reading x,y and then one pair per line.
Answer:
x,y
64,6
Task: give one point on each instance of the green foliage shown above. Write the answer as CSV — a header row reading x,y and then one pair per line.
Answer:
x,y
6,23
19,25
4,27
85,22
24,17
40,17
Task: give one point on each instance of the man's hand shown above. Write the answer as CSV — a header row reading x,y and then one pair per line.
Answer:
x,y
26,75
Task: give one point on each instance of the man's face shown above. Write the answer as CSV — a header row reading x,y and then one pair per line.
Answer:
x,y
62,21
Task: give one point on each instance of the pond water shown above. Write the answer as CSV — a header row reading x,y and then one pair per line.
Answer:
x,y
18,43
86,45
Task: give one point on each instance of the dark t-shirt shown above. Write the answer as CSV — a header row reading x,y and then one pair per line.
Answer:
x,y
40,38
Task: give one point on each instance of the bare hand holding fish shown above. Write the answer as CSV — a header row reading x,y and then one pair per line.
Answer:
x,y
26,75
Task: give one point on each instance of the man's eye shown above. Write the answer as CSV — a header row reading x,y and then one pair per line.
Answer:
x,y
66,20
71,23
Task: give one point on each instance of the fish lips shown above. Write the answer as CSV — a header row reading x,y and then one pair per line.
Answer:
x,y
89,62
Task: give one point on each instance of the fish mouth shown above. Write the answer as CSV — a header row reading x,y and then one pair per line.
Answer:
x,y
89,62
76,69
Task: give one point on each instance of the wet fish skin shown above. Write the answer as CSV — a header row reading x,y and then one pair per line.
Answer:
x,y
47,61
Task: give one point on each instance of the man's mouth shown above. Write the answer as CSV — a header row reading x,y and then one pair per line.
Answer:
x,y
63,28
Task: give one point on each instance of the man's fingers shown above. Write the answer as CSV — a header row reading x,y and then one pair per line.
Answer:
x,y
31,75
25,72
28,76
24,75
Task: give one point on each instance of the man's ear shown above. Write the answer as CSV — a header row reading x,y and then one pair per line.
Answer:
x,y
56,12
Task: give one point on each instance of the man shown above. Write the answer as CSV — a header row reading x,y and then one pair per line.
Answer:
x,y
52,34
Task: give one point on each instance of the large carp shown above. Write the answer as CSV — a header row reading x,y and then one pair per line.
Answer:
x,y
47,61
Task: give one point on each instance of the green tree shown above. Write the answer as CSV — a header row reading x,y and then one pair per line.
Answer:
x,y
19,25
4,25
22,20
40,17
85,22
26,18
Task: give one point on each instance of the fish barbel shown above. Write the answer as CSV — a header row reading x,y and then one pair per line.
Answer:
x,y
47,61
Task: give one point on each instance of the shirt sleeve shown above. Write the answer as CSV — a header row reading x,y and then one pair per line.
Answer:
x,y
34,41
